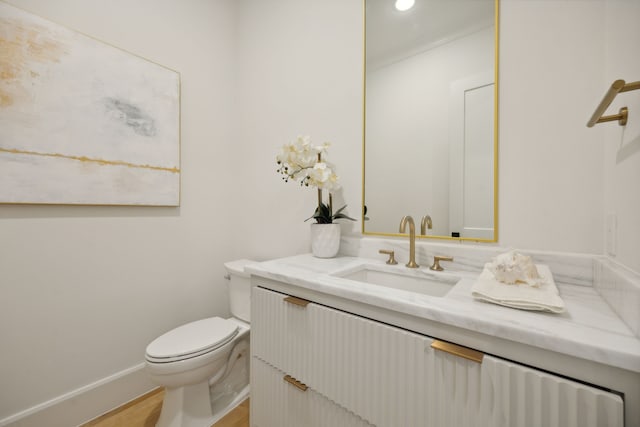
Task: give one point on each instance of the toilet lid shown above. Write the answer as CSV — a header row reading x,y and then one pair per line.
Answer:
x,y
199,337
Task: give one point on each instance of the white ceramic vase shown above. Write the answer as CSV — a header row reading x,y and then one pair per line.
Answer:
x,y
325,240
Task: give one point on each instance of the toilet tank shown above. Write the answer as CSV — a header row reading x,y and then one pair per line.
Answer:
x,y
239,288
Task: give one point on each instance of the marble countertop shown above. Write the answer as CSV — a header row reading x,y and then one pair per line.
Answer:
x,y
588,329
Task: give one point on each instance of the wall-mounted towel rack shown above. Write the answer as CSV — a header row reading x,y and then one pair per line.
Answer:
x,y
617,87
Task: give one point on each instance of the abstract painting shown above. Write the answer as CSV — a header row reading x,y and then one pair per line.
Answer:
x,y
83,122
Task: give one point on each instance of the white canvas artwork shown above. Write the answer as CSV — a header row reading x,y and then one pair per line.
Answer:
x,y
83,122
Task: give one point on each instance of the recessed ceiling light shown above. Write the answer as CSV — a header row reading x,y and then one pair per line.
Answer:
x,y
403,5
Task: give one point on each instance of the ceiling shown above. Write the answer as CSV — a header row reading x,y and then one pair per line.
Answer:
x,y
392,35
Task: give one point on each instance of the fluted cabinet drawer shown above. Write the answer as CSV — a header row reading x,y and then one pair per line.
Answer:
x,y
499,393
280,332
391,377
277,403
377,371
520,396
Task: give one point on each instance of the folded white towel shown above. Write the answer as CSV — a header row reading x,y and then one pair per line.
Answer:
x,y
544,297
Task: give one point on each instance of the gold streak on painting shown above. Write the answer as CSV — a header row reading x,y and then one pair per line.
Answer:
x,y
90,160
5,99
21,50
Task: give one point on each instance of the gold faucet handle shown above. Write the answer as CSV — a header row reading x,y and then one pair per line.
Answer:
x,y
392,259
436,262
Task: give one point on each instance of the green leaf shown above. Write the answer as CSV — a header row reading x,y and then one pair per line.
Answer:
x,y
323,214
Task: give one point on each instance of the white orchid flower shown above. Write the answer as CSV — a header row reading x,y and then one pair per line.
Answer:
x,y
319,174
332,183
322,148
299,161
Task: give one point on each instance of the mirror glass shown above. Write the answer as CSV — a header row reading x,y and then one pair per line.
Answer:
x,y
430,143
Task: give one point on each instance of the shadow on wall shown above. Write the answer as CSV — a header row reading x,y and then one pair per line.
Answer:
x,y
627,150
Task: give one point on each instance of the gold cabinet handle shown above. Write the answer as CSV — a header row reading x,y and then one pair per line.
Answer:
x,y
458,350
294,382
297,301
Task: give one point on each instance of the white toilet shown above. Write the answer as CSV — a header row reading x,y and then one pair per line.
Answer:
x,y
204,365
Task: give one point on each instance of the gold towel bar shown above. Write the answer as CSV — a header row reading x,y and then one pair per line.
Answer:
x,y
617,87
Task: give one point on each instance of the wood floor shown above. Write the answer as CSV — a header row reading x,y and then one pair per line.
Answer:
x,y
145,410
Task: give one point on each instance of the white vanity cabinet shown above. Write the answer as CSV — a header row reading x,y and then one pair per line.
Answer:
x,y
372,373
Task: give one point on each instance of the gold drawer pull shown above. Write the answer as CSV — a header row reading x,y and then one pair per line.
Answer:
x,y
297,301
295,382
458,350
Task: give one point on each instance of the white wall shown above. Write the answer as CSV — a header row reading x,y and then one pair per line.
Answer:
x,y
550,163
299,73
622,144
85,289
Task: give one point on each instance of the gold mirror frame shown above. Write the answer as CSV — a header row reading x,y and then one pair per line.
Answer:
x,y
495,139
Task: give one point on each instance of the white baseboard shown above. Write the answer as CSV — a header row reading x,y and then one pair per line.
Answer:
x,y
85,403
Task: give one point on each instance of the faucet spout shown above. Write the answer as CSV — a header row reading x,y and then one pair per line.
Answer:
x,y
426,223
412,239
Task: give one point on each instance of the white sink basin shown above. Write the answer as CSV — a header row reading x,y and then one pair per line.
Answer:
x,y
402,278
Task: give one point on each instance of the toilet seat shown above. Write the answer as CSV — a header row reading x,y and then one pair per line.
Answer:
x,y
191,340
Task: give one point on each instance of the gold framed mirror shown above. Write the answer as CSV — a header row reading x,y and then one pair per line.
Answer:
x,y
430,146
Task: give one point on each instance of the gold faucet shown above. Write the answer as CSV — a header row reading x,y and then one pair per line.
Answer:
x,y
426,223
412,239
